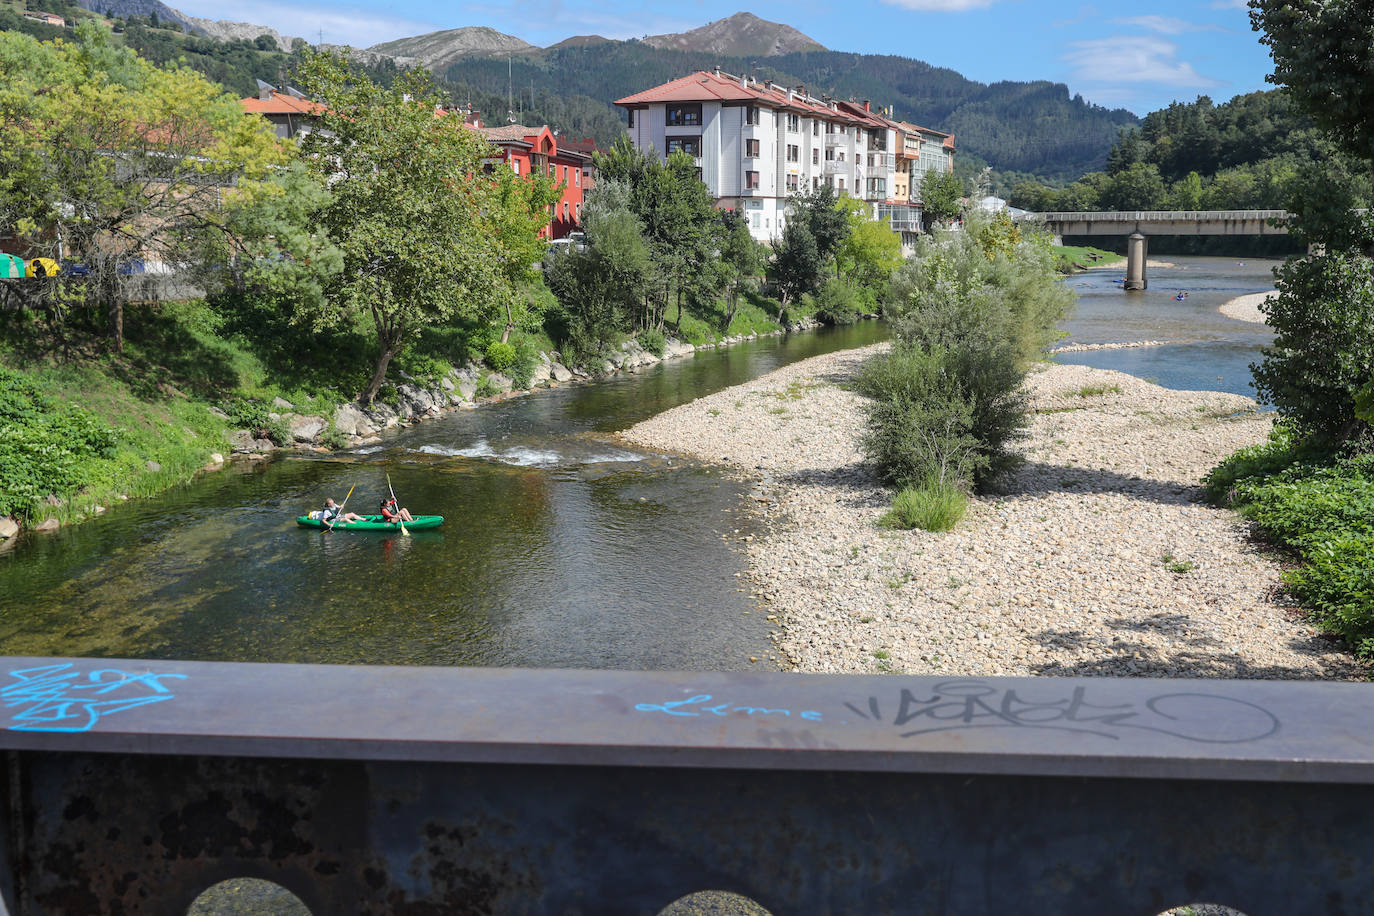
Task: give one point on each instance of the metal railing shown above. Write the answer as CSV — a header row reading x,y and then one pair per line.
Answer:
x,y
134,785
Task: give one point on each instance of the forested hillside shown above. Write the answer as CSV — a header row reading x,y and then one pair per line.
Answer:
x,y
1035,128
1252,152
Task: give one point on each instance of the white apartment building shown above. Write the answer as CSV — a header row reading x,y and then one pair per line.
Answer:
x,y
756,143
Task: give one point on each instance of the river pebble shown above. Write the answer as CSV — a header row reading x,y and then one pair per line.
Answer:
x,y
1096,556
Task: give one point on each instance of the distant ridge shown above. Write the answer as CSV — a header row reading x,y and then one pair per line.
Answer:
x,y
437,50
579,41
740,35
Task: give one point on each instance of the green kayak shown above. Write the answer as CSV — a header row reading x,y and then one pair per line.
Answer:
x,y
374,523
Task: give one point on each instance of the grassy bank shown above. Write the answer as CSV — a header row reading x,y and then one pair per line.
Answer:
x,y
83,428
1071,258
1319,508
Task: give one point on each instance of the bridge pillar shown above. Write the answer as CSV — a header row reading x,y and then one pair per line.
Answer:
x,y
1136,247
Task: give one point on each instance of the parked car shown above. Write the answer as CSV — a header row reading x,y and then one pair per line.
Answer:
x,y
75,269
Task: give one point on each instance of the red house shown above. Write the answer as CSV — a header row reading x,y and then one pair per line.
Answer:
x,y
531,149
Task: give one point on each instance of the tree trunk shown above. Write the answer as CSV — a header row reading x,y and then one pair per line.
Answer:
x,y
117,324
378,375
510,324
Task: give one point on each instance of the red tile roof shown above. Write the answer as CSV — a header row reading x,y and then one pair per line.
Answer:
x,y
281,103
707,86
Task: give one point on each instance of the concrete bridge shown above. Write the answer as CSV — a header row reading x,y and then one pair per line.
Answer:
x,y
1137,225
133,786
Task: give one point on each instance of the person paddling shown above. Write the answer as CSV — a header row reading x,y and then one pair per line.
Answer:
x,y
392,513
334,514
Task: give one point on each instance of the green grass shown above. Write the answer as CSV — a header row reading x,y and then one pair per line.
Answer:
x,y
1071,258
1092,391
931,506
1176,566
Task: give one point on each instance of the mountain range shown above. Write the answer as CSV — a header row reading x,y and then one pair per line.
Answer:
x,y
1035,128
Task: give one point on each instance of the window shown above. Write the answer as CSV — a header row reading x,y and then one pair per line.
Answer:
x,y
830,155
791,182
793,123
815,128
689,145
631,113
686,115
577,177
565,211
877,185
815,157
751,148
577,208
793,152
751,179
515,166
751,114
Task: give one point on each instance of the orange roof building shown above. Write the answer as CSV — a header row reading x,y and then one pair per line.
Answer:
x,y
756,143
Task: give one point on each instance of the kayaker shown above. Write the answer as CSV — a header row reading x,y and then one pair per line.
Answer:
x,y
390,512
333,513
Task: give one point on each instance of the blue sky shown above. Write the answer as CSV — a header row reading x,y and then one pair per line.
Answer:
x,y
1141,57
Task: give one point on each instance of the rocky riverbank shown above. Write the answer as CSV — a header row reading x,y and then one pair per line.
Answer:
x,y
463,387
1246,308
1096,558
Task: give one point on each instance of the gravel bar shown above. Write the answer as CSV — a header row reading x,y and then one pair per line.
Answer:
x,y
1097,557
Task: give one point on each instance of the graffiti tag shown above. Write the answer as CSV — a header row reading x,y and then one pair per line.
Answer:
x,y
58,698
696,706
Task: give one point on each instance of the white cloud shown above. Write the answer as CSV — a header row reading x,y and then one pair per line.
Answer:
x,y
338,24
1085,14
941,6
1229,4
1129,59
1167,25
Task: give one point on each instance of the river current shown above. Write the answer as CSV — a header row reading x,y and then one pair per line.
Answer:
x,y
561,547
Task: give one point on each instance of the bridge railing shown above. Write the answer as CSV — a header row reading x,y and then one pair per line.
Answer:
x,y
1132,216
132,786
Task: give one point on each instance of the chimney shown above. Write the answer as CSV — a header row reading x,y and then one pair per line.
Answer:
x,y
717,70
768,85
866,108
265,90
743,81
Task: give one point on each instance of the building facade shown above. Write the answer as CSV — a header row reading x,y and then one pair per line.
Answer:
x,y
527,150
756,143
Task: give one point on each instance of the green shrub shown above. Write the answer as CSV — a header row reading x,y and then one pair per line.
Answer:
x,y
1323,350
525,362
333,438
279,431
245,413
932,506
1255,461
46,448
919,423
500,356
653,341
1337,586
423,367
838,302
485,388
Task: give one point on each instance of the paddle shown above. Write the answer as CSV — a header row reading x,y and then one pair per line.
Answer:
x,y
399,520
339,514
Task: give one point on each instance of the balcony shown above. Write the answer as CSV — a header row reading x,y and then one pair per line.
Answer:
x,y
835,167
832,140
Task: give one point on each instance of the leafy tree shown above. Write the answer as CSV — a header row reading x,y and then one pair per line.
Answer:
x,y
827,217
1322,58
740,262
797,267
870,252
1137,187
941,196
105,158
410,208
520,212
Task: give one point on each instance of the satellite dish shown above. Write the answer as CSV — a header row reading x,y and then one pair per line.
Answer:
x,y
510,117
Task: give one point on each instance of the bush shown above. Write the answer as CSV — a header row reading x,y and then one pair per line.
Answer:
x,y
920,425
245,413
838,302
653,341
279,431
333,438
1322,510
1323,349
932,506
525,362
485,388
500,356
45,448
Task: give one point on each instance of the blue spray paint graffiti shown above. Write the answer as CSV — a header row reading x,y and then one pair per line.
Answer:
x,y
679,708
56,698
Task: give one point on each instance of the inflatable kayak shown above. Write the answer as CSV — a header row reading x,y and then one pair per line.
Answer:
x,y
374,523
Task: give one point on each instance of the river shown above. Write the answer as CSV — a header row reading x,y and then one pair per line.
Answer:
x,y
561,547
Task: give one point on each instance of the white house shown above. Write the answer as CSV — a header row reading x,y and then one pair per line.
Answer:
x,y
755,143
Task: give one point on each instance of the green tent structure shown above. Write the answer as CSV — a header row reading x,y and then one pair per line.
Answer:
x,y
11,267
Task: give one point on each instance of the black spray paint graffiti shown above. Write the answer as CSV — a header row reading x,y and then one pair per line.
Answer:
x,y
57,698
955,705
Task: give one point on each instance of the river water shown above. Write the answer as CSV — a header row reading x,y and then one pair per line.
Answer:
x,y
561,547
1212,353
